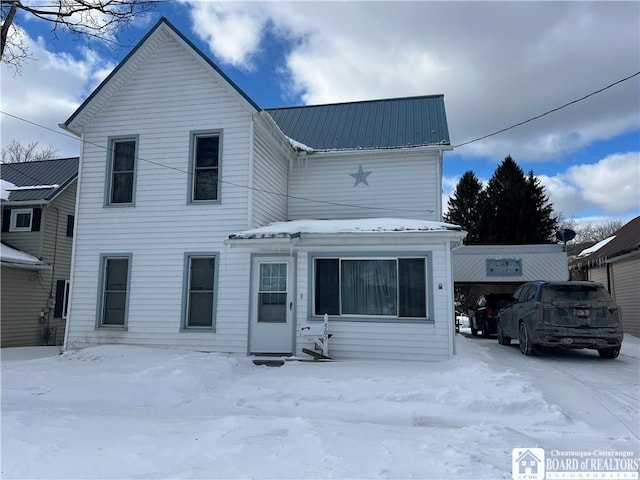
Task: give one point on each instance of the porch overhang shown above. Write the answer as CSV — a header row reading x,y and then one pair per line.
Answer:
x,y
354,232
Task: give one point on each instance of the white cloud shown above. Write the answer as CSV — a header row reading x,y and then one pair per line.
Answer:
x,y
47,92
611,185
498,64
231,30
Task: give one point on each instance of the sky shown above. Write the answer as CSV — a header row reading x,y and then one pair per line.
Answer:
x,y
498,64
119,411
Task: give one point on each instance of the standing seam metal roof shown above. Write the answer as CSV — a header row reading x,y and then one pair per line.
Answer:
x,y
388,123
47,172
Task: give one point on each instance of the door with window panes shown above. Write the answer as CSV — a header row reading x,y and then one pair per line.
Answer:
x,y
272,319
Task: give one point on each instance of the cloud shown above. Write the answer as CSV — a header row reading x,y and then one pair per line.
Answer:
x,y
611,185
498,63
231,30
47,93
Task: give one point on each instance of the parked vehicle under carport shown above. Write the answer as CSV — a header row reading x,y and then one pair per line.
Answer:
x,y
485,313
562,314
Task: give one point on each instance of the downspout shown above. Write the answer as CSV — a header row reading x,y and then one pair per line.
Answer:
x,y
250,195
50,305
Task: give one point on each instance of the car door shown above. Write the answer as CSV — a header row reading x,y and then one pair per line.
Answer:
x,y
509,316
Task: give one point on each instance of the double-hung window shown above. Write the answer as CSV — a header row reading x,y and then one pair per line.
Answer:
x,y
205,162
200,291
114,290
122,171
371,287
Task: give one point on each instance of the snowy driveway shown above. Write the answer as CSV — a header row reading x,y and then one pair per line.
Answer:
x,y
126,412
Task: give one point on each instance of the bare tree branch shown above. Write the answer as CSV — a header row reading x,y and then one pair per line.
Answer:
x,y
16,152
99,19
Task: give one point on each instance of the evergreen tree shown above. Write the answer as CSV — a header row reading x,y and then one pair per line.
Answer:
x,y
516,210
464,206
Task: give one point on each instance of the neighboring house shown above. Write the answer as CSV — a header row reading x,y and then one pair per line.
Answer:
x,y
615,262
194,213
38,211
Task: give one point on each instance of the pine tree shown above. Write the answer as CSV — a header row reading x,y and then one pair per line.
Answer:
x,y
464,206
517,210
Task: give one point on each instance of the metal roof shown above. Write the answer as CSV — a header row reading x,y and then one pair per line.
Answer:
x,y
45,173
388,123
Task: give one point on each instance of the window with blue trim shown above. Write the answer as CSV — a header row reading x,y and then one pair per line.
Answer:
x,y
122,171
205,184
376,287
115,287
200,292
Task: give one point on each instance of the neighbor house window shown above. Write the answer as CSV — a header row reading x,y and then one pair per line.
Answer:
x,y
383,287
122,171
205,167
114,290
200,287
21,219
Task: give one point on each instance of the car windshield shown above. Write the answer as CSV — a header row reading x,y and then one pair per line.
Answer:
x,y
582,293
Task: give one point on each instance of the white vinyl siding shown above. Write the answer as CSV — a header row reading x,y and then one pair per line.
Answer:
x,y
626,285
401,184
398,340
272,155
170,96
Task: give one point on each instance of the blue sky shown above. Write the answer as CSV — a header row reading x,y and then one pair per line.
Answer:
x,y
497,64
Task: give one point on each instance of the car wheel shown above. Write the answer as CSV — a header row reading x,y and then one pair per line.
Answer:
x,y
611,352
502,340
526,347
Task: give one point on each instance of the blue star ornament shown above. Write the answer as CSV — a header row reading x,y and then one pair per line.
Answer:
x,y
361,176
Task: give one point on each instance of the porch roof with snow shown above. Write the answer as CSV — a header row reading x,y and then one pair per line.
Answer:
x,y
11,257
297,228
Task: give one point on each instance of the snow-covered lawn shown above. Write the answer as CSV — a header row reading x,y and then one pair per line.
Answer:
x,y
128,412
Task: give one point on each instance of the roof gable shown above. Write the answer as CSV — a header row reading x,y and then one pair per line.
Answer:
x,y
130,64
388,123
626,240
51,175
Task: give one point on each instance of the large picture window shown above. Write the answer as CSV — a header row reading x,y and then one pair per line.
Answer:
x,y
200,291
388,287
115,287
205,162
122,169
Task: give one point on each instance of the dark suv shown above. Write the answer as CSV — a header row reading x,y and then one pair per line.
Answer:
x,y
567,314
485,313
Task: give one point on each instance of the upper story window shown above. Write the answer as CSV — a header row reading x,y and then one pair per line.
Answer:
x,y
21,220
122,171
205,150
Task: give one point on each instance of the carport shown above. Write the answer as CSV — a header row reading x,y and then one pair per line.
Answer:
x,y
482,269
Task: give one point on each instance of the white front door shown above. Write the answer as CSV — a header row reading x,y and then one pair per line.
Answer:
x,y
271,329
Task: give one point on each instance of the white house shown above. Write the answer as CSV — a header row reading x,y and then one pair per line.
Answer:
x,y
206,222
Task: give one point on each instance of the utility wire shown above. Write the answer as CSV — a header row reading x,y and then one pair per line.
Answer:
x,y
547,113
312,200
325,202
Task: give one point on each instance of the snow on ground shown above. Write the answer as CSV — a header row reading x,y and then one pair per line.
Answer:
x,y
131,412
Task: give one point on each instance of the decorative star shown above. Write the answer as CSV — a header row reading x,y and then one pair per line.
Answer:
x,y
361,176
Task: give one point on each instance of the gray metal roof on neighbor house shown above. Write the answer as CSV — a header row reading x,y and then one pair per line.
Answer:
x,y
389,123
44,173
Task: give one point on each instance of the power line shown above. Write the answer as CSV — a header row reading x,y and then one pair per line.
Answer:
x,y
312,200
548,112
